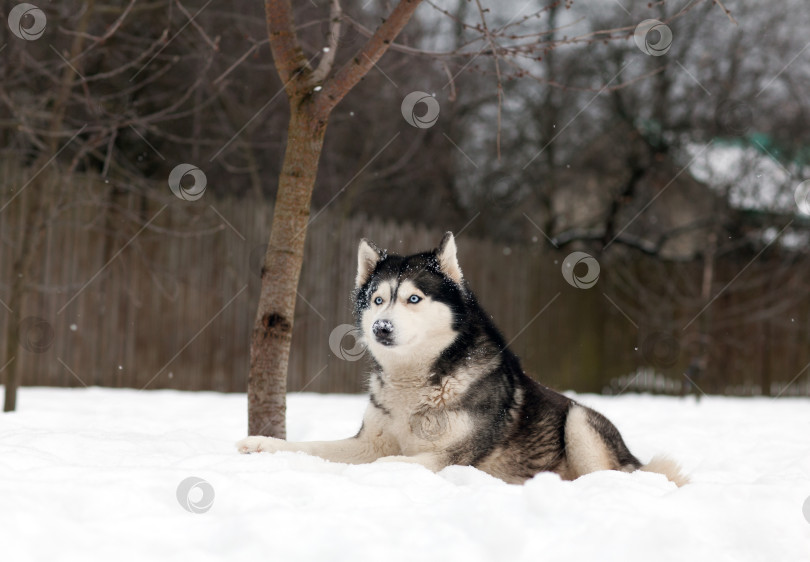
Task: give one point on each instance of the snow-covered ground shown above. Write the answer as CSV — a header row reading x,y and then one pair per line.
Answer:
x,y
93,474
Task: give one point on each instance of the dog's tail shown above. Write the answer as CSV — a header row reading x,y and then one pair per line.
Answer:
x,y
667,467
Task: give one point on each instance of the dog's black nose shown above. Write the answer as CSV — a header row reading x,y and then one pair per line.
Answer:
x,y
382,330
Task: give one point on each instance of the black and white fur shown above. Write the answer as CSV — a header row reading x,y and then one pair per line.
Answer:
x,y
446,390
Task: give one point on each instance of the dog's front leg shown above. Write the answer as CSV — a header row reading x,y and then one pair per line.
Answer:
x,y
354,450
371,443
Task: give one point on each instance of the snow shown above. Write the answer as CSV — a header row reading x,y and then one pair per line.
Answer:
x,y
754,178
92,474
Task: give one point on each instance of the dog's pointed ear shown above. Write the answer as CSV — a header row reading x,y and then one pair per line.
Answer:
x,y
368,256
448,262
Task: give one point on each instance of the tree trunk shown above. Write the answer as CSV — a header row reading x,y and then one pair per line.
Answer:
x,y
36,211
272,328
12,343
705,341
312,94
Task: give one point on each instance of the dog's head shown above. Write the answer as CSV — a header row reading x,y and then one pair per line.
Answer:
x,y
408,307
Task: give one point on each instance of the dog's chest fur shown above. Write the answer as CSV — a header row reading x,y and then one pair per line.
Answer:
x,y
418,413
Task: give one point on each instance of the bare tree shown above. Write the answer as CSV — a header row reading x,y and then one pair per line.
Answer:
x,y
312,94
90,123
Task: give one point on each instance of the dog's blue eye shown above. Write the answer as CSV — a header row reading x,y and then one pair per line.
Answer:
x,y
378,300
414,299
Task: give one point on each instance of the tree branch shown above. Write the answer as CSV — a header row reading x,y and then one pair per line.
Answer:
x,y
328,58
291,64
358,66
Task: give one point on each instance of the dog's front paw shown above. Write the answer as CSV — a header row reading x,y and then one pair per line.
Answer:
x,y
257,444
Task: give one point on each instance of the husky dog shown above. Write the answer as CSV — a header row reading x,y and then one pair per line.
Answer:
x,y
445,389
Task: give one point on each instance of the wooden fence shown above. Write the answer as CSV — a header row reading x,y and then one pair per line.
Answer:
x,y
168,301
